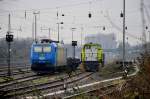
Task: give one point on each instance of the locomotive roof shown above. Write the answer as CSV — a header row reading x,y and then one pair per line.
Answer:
x,y
92,44
52,43
48,41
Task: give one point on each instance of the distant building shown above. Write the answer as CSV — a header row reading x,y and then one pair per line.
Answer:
x,y
108,41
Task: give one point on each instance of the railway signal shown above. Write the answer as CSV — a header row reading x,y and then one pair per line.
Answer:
x,y
121,15
9,39
74,43
25,14
104,28
90,15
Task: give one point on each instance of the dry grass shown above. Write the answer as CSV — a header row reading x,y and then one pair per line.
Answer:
x,y
139,86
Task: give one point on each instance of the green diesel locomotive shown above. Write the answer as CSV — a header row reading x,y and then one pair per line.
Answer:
x,y
92,57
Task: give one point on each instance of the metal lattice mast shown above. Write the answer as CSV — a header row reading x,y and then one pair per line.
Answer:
x,y
143,26
124,15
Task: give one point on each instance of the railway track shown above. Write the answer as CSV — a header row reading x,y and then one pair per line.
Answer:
x,y
11,81
15,67
107,86
105,90
19,80
3,66
11,89
15,72
23,79
44,86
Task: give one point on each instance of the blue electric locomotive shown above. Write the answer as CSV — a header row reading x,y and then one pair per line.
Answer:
x,y
48,56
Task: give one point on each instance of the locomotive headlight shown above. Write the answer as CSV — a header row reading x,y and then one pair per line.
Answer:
x,y
47,49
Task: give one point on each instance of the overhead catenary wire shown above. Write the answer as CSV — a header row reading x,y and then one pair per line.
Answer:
x,y
147,13
119,29
61,7
52,8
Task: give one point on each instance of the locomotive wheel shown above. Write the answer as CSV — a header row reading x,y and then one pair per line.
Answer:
x,y
102,63
87,69
82,67
97,69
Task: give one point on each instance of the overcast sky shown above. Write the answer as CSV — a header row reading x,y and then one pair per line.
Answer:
x,y
104,13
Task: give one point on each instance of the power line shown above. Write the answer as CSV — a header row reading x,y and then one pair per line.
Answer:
x,y
118,28
49,31
147,13
42,9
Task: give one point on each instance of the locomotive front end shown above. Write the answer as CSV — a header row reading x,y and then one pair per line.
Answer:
x,y
42,57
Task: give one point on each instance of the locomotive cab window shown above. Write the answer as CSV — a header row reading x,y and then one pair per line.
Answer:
x,y
46,49
37,49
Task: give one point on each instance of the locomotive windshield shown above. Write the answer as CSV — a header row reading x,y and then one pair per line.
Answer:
x,y
37,49
46,49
